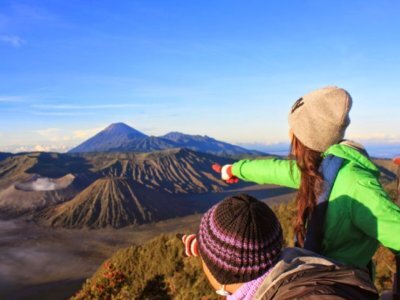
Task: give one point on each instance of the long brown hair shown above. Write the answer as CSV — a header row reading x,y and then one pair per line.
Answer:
x,y
311,184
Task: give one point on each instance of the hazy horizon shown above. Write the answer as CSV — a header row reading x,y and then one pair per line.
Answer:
x,y
375,149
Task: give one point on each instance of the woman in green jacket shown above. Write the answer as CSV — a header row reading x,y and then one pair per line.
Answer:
x,y
360,214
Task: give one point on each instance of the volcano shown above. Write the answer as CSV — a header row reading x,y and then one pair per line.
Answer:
x,y
114,202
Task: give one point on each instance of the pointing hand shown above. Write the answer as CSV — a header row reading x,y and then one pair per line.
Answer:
x,y
226,173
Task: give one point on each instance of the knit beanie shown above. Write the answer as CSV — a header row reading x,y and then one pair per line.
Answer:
x,y
319,119
239,239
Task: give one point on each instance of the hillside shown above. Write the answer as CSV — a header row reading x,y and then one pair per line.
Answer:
x,y
53,165
32,195
155,270
173,171
4,155
33,181
147,144
115,202
388,177
15,168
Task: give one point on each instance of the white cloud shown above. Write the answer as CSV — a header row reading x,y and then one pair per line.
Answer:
x,y
11,98
52,139
30,13
87,107
56,134
12,40
86,133
48,131
376,137
61,114
48,148
51,134
37,147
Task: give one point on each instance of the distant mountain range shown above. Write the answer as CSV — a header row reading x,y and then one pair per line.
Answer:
x,y
120,137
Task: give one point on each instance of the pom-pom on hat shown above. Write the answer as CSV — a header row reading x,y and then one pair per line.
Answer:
x,y
319,119
239,239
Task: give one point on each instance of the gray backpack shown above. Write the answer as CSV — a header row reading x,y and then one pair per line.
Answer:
x,y
302,274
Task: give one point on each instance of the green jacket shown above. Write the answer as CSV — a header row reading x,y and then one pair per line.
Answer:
x,y
360,214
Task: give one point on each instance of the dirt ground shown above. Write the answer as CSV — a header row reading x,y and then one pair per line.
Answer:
x,y
47,263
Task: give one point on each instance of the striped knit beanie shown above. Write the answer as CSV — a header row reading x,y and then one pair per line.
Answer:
x,y
239,239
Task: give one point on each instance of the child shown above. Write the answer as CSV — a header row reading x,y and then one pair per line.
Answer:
x,y
240,244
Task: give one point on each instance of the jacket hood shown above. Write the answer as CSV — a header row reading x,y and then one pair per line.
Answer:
x,y
353,152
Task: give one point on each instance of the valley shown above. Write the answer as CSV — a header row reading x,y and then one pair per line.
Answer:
x,y
41,263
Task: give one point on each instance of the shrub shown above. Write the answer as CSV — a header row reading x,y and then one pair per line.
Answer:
x,y
155,270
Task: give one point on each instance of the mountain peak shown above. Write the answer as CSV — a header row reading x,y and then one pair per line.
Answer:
x,y
114,136
122,128
118,125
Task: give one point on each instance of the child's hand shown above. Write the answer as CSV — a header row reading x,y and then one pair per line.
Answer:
x,y
190,243
226,173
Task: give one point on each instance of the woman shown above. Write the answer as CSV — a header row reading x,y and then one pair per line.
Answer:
x,y
240,244
360,215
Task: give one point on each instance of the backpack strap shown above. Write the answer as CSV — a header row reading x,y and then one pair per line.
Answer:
x,y
315,230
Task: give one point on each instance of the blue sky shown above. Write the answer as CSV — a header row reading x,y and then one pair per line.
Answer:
x,y
228,69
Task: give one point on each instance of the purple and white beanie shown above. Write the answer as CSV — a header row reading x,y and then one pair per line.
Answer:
x,y
239,239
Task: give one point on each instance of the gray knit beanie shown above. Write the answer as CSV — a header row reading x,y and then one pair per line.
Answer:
x,y
319,119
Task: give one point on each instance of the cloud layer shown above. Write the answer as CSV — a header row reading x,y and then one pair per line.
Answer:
x,y
12,40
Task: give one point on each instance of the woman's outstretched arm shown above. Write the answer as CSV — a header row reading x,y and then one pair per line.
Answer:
x,y
268,171
375,214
